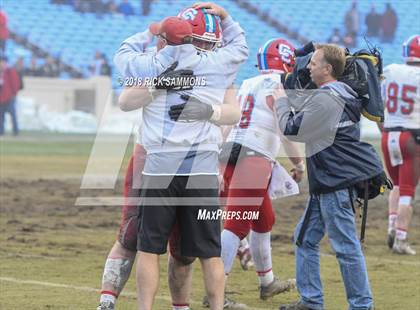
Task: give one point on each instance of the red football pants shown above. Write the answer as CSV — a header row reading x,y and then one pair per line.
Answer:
x,y
406,175
245,182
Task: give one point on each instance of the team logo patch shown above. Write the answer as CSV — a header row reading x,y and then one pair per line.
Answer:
x,y
285,52
189,14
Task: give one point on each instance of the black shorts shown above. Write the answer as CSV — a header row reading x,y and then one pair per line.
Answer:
x,y
170,199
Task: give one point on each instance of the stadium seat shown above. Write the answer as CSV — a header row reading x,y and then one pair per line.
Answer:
x,y
61,30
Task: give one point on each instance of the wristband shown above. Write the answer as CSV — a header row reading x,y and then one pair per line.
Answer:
x,y
217,113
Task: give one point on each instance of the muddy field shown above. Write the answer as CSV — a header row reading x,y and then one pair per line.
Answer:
x,y
52,251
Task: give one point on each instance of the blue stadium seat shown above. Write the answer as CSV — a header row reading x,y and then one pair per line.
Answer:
x,y
75,36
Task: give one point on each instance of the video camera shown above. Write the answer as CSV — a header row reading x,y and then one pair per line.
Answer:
x,y
362,72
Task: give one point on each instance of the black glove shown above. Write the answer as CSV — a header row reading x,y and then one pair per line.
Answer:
x,y
192,110
172,79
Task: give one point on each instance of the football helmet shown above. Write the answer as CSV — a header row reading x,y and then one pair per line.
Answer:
x,y
207,32
411,49
276,55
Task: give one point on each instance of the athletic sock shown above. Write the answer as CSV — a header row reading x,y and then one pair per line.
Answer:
x,y
265,278
392,217
108,296
401,234
230,245
116,273
180,307
260,246
243,245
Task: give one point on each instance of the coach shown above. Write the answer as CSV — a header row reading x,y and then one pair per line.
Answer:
x,y
328,123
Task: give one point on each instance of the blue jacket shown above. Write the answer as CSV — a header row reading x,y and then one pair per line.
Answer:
x,y
327,121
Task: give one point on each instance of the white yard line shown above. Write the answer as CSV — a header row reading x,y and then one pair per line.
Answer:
x,y
67,286
88,289
18,255
165,297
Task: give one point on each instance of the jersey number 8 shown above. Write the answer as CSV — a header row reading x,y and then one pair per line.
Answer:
x,y
248,106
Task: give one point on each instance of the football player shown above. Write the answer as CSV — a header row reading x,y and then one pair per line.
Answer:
x,y
120,259
249,155
255,144
220,69
400,141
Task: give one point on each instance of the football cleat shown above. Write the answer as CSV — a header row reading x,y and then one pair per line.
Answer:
x,y
391,239
276,287
228,304
299,306
402,247
245,258
106,305
295,306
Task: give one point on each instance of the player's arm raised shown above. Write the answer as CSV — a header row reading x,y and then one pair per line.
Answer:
x,y
132,59
235,50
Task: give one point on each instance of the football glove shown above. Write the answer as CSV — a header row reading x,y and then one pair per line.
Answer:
x,y
172,79
192,110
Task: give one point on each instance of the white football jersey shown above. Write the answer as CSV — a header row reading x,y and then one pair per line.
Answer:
x,y
401,93
217,70
257,128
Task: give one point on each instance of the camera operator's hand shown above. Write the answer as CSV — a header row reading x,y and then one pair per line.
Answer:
x,y
192,110
166,78
297,175
298,172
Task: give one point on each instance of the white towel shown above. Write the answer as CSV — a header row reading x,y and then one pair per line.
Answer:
x,y
394,149
281,183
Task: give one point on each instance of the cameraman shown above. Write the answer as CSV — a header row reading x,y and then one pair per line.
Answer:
x,y
327,121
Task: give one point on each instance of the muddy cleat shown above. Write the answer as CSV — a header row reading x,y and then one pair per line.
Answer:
x,y
402,247
228,304
231,304
295,306
245,258
391,239
106,305
276,287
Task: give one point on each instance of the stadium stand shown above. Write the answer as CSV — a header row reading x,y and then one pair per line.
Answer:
x,y
312,21
15,51
74,37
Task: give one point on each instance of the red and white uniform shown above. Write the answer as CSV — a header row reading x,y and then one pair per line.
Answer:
x,y
401,93
249,178
257,128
